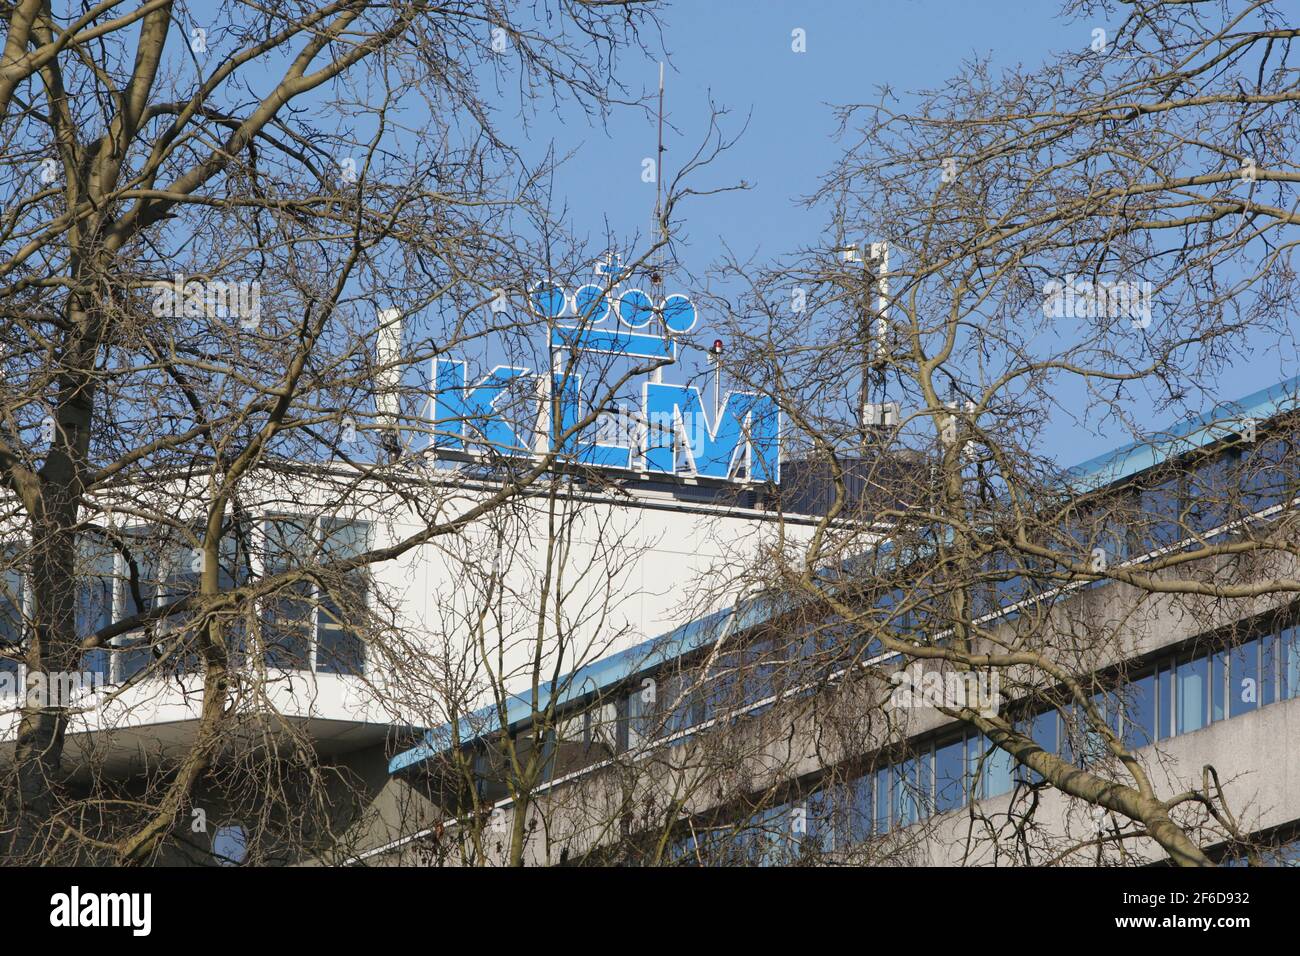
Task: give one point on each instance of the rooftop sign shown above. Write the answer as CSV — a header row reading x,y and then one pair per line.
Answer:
x,y
672,433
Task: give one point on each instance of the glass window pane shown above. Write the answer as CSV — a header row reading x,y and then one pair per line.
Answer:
x,y
287,616
94,611
1042,731
1140,712
287,625
181,573
339,648
1093,746
1243,678
884,792
924,782
1000,766
1268,669
641,712
137,592
861,808
1289,654
1193,680
1212,493
1264,475
822,834
344,539
234,570
994,767
760,668
288,542
1157,523
1218,685
907,804
950,776
1165,701
11,628
139,572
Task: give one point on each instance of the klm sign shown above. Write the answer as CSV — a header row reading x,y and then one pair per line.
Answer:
x,y
508,411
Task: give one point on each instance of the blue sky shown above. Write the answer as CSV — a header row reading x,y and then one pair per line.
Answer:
x,y
739,55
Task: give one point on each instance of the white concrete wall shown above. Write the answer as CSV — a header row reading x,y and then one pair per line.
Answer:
x,y
623,570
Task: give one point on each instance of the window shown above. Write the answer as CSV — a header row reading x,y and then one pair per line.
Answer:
x,y
921,778
718,686
772,837
1212,492
826,827
327,608
180,579
950,776
1268,670
124,577
1164,701
1157,522
11,628
1243,678
1006,584
1140,711
287,615
1102,527
1042,730
682,703
1091,741
1288,854
548,749
1264,479
1289,660
1193,681
339,647
761,663
883,793
234,570
641,713
991,766
137,593
860,808
1219,689
602,732
96,566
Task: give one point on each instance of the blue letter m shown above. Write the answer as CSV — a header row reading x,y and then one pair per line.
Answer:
x,y
746,433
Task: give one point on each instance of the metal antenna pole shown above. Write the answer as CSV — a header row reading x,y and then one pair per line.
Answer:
x,y
660,229
717,391
659,161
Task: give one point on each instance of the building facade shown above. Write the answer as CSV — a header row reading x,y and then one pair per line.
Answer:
x,y
765,733
623,673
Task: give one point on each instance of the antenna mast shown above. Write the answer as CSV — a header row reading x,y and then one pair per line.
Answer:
x,y
659,158
660,229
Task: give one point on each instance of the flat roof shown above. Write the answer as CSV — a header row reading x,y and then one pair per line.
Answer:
x,y
1221,421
